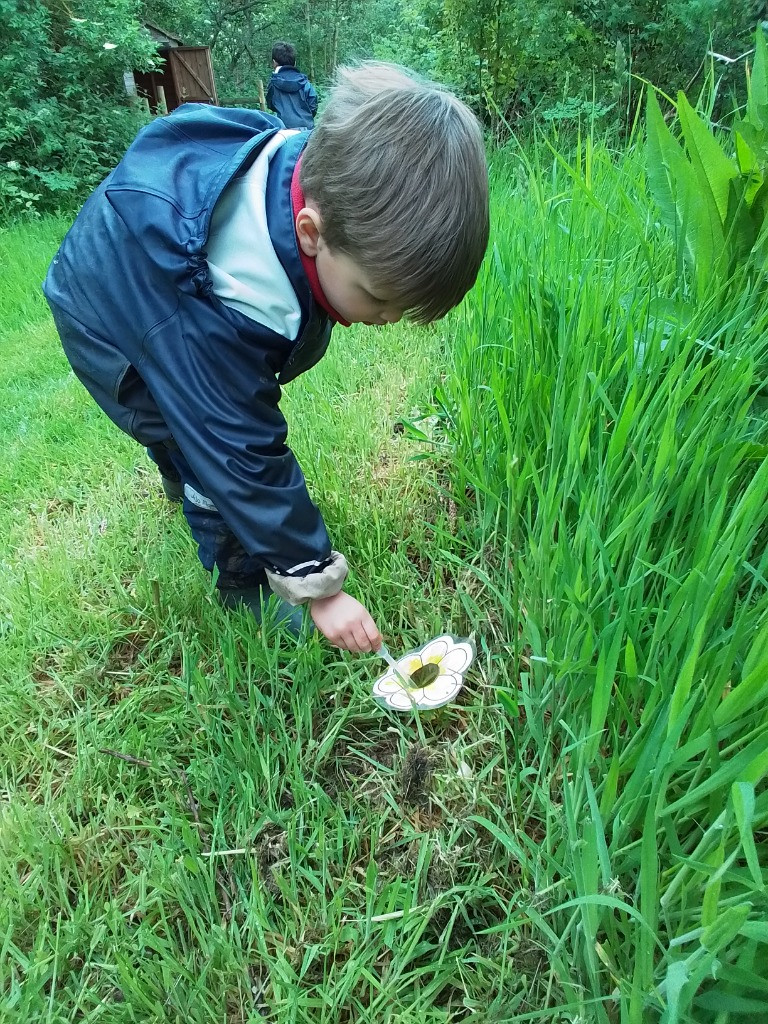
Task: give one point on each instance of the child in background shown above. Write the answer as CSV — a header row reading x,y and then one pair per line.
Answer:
x,y
207,271
290,93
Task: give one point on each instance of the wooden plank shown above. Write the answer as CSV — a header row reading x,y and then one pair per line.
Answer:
x,y
205,87
211,75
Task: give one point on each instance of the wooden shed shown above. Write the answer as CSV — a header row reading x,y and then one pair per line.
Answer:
x,y
185,74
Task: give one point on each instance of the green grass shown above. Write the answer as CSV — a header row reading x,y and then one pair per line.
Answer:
x,y
588,498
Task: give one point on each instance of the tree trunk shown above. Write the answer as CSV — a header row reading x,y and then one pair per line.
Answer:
x,y
311,54
335,43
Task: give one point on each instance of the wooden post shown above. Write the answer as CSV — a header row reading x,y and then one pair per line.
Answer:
x,y
162,106
262,97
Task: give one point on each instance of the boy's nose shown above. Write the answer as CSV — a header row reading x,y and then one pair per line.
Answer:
x,y
390,316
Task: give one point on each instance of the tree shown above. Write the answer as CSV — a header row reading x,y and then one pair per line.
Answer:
x,y
65,116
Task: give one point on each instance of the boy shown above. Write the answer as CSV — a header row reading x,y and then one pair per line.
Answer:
x,y
290,93
207,271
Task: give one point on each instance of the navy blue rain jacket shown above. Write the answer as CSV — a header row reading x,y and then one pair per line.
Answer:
x,y
293,98
132,297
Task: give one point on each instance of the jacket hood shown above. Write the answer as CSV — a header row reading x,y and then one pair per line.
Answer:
x,y
288,80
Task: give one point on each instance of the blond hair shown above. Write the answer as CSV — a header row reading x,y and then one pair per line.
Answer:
x,y
396,167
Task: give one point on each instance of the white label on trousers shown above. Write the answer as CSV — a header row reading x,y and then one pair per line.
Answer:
x,y
199,499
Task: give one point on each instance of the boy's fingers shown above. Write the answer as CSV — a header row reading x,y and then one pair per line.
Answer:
x,y
362,640
372,633
350,642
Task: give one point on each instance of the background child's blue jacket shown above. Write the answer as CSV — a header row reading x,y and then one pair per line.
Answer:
x,y
293,98
132,297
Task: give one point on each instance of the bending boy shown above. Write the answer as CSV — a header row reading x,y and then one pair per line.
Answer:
x,y
207,271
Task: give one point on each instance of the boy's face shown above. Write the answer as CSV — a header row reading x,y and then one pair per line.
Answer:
x,y
351,292
346,286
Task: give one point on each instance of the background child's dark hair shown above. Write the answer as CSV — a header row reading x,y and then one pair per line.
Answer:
x,y
397,169
284,54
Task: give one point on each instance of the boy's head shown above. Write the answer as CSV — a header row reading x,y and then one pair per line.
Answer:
x,y
283,55
396,188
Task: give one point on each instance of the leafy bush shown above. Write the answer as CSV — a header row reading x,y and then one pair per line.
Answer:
x,y
715,203
65,118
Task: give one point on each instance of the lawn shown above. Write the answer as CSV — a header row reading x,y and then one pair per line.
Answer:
x,y
203,822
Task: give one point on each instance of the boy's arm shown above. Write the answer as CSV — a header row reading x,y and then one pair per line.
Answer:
x,y
220,399
270,95
311,98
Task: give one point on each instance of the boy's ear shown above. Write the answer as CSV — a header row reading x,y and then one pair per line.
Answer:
x,y
308,227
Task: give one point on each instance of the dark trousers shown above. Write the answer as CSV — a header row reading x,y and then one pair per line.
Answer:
x,y
216,544
117,387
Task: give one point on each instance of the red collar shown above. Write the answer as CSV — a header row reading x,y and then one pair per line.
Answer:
x,y
308,262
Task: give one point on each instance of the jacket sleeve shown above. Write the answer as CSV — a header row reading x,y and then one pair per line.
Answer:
x,y
270,97
220,399
311,98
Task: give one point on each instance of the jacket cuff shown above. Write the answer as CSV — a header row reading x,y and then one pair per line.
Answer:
x,y
299,589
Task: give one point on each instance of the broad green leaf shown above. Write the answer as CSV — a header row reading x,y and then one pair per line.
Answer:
x,y
663,154
757,102
745,157
754,137
740,227
509,702
759,206
630,659
758,651
715,171
675,186
610,787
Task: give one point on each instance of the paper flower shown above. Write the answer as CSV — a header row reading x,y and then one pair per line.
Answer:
x,y
434,674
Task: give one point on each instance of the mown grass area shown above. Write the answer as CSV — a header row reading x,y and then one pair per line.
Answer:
x,y
583,487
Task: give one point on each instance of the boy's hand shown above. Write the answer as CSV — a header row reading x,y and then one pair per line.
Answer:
x,y
346,623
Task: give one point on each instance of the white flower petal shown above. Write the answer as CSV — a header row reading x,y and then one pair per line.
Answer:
x,y
458,659
436,649
404,700
445,688
387,684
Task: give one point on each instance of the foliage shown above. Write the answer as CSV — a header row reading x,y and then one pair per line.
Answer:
x,y
64,114
506,59
716,204
606,449
509,59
